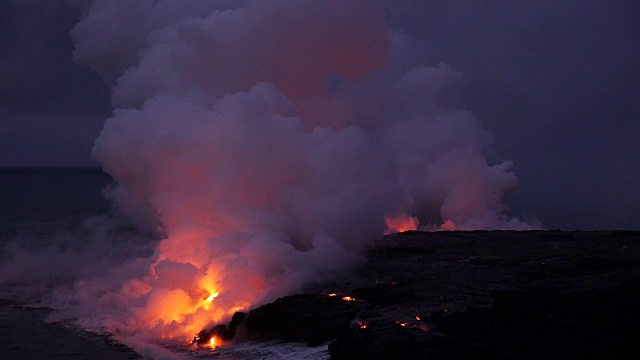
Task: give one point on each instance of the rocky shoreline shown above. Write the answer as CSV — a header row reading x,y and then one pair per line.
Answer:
x,y
487,295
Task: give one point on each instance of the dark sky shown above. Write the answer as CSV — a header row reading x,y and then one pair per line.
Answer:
x,y
51,109
556,83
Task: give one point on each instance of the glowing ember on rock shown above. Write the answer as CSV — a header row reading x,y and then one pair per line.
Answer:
x,y
400,223
332,294
362,324
348,298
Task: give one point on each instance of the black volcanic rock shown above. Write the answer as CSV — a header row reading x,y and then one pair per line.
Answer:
x,y
382,340
590,324
385,294
311,319
525,295
556,324
221,331
480,295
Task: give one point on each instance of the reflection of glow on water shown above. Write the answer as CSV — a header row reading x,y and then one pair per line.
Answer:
x,y
251,350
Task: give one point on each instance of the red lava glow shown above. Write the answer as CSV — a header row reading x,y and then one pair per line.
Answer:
x,y
420,326
348,298
182,305
448,225
362,324
332,295
214,343
400,223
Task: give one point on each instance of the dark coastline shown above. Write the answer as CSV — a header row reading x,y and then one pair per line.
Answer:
x,y
482,295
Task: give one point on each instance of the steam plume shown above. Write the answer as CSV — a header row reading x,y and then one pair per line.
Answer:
x,y
269,141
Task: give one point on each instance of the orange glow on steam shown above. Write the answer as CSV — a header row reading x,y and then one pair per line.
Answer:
x,y
179,305
208,300
448,225
400,223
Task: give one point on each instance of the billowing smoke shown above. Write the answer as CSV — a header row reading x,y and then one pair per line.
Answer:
x,y
269,141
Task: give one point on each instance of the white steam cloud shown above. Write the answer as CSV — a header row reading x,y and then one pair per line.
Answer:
x,y
268,141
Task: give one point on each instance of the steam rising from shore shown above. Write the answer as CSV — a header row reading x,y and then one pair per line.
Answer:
x,y
269,141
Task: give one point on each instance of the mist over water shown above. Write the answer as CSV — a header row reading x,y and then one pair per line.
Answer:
x,y
266,143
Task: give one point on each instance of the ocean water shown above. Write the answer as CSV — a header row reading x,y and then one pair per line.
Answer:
x,y
47,216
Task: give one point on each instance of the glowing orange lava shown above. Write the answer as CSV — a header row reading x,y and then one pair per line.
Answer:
x,y
181,307
332,294
348,298
209,300
400,223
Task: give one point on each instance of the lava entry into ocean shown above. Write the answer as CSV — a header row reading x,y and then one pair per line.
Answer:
x,y
268,142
